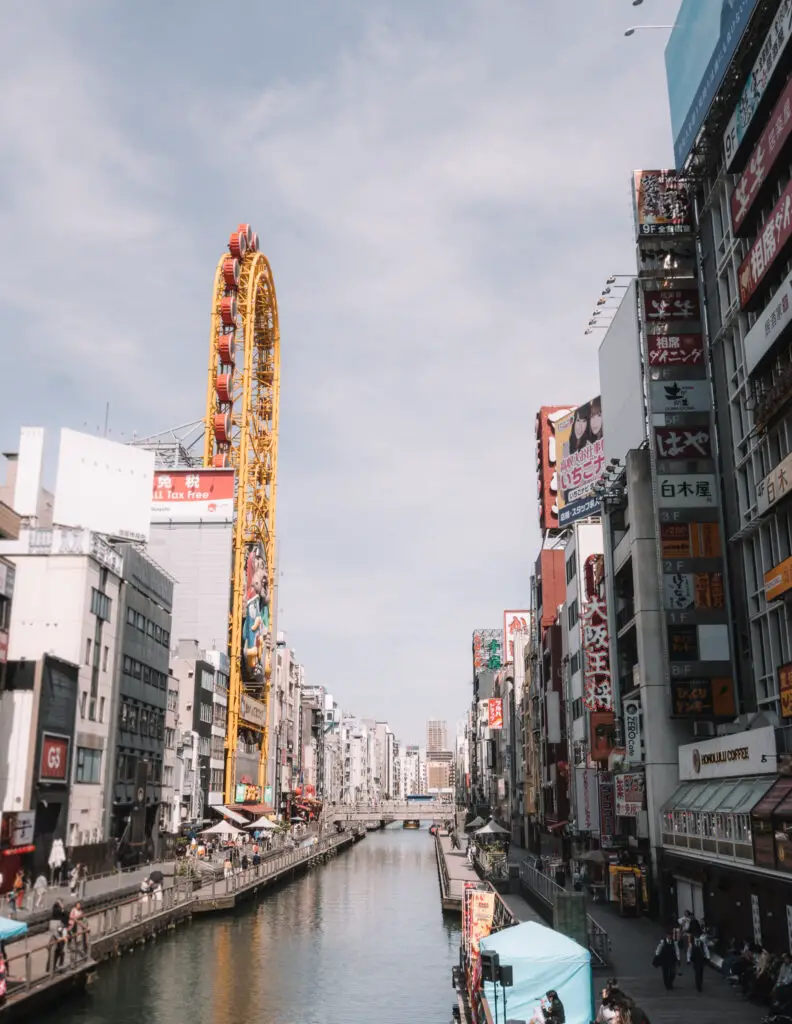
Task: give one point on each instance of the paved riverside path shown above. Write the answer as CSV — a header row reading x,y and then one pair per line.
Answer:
x,y
459,870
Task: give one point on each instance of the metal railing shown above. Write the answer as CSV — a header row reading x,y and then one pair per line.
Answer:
x,y
547,890
445,882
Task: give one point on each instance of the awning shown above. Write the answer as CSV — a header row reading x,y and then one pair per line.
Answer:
x,y
765,808
257,809
722,796
226,812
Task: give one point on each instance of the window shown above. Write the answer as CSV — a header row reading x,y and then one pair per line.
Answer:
x,y
123,718
137,669
144,717
577,708
140,622
88,651
170,738
207,680
173,700
156,771
150,628
216,780
165,638
104,659
131,616
100,604
89,765
572,614
133,718
125,767
167,775
92,709
101,709
127,665
146,674
218,747
206,713
574,663
203,746
158,634
220,715
83,699
153,720
571,568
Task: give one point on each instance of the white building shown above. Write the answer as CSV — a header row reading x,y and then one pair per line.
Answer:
x,y
357,747
412,772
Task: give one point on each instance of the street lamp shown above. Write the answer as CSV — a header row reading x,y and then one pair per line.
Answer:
x,y
640,28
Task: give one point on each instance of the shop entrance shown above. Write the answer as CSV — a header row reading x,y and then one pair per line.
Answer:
x,y
689,896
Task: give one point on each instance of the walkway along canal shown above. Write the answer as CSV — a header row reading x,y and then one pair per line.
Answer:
x,y
361,939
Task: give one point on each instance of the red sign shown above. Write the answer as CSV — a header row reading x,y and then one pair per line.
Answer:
x,y
675,349
683,443
607,805
495,713
3,646
597,689
765,153
54,758
771,238
671,304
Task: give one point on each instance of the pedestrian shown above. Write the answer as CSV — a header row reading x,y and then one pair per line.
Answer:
x,y
684,924
553,1008
40,890
698,954
3,980
74,877
58,917
667,958
19,889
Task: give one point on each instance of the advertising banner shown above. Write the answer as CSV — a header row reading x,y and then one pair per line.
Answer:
x,y
193,495
771,239
704,39
253,711
687,491
703,698
597,688
683,443
661,204
256,621
246,793
679,397
690,540
607,804
579,437
675,350
17,829
762,161
514,622
769,326
630,794
633,753
773,49
698,590
586,800
671,305
778,580
487,649
54,766
785,689
775,486
495,713
723,757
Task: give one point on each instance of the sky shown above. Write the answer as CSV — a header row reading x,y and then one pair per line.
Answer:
x,y
441,186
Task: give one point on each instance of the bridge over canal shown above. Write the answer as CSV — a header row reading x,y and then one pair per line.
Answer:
x,y
392,810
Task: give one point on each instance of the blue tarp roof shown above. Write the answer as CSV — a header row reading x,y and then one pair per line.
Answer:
x,y
542,959
11,929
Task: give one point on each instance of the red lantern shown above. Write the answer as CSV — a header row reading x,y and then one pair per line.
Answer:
x,y
222,427
231,272
237,244
228,310
224,386
226,348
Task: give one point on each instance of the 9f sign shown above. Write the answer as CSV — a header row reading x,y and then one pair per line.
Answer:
x,y
54,766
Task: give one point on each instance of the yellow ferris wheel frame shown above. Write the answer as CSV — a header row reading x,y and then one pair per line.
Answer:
x,y
251,449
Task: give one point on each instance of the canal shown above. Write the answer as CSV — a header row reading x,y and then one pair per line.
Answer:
x,y
361,939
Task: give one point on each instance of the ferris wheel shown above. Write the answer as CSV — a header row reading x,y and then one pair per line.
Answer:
x,y
241,433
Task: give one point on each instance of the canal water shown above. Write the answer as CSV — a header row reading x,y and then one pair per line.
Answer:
x,y
361,940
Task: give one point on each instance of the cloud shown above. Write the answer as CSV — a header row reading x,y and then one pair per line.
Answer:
x,y
441,189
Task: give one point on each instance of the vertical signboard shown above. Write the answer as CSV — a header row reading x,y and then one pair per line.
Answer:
x,y
487,649
684,478
580,447
514,623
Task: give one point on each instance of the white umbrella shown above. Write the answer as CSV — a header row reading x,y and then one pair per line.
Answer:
x,y
223,828
262,823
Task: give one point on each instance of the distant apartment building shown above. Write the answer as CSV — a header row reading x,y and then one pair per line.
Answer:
x,y
436,734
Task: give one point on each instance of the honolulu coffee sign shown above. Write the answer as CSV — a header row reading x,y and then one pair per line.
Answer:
x,y
744,753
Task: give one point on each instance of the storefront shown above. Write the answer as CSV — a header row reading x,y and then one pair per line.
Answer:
x,y
726,851
17,832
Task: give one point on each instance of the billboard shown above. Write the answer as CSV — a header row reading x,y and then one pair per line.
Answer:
x,y
771,241
672,398
690,540
775,486
252,711
703,41
770,323
687,491
681,443
621,379
763,159
103,486
495,713
586,800
675,349
670,305
193,495
765,65
54,764
17,829
703,698
487,649
547,463
661,204
582,449
513,623
597,687
256,614
630,794
778,580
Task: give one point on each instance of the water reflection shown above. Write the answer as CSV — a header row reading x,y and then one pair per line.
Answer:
x,y
362,939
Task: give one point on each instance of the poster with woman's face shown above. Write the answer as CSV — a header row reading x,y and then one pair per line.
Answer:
x,y
581,461
256,614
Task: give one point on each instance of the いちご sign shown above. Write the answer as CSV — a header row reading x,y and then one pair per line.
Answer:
x,y
54,764
192,495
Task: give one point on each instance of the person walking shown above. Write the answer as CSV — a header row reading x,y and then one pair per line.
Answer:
x,y
40,891
19,889
683,936
697,955
667,957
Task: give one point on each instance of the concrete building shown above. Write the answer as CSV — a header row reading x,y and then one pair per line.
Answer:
x,y
410,774
9,530
284,726
357,747
134,770
436,735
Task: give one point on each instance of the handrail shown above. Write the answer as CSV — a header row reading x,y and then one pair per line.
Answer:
x,y
242,878
445,882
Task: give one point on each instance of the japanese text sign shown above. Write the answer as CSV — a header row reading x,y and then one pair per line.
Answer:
x,y
699,590
487,649
514,623
661,202
778,580
770,324
775,486
682,443
690,540
630,794
675,350
671,306
597,689
771,239
761,161
686,491
495,713
193,495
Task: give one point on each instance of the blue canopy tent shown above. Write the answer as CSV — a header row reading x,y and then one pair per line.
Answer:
x,y
542,959
11,929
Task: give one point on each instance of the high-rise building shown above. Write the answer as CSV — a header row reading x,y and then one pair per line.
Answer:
x,y
436,734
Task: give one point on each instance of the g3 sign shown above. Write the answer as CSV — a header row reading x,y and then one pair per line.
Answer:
x,y
54,765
